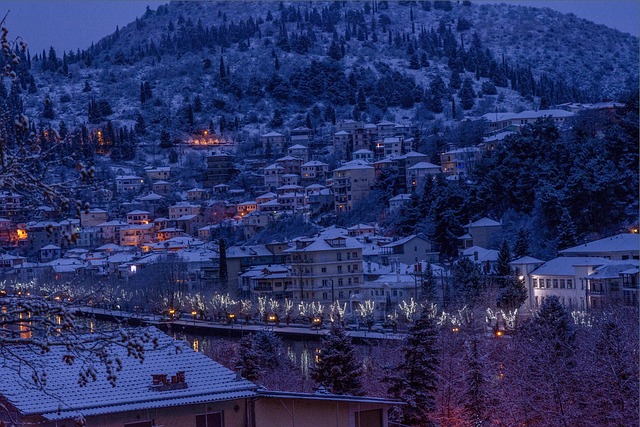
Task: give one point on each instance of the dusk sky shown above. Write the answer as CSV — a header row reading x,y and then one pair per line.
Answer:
x,y
73,24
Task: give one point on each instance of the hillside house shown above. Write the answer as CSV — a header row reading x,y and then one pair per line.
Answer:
x,y
352,182
160,173
93,217
129,184
273,142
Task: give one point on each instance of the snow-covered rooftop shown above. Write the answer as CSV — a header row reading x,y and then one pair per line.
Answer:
x,y
619,243
62,398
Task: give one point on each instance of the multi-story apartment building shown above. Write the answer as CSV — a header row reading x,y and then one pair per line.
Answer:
x,y
159,173
220,169
93,217
314,171
460,161
274,142
183,208
352,182
325,268
129,183
138,217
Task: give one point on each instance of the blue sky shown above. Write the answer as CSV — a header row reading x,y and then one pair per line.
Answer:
x,y
73,24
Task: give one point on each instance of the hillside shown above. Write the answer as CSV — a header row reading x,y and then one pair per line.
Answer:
x,y
374,60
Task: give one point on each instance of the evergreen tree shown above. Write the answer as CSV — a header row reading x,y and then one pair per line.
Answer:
x,y
553,326
428,283
143,97
567,233
437,90
248,360
337,369
335,52
467,94
165,139
197,104
361,101
415,382
521,246
223,72
277,120
475,394
140,127
87,87
224,275
503,269
455,81
512,293
47,111
467,282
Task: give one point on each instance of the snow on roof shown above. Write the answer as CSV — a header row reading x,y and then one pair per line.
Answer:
x,y
289,187
205,380
498,117
400,197
273,166
302,128
315,187
464,150
354,164
272,134
288,159
298,147
220,186
95,210
498,136
150,197
363,151
325,244
49,248
161,182
361,227
526,260
268,195
414,154
341,132
620,243
484,222
402,241
138,212
120,177
613,269
482,254
533,114
314,163
384,123
424,165
248,251
565,265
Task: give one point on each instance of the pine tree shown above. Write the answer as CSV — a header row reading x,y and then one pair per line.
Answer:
x,y
521,246
567,233
437,90
140,127
467,94
47,111
415,381
337,369
553,326
165,139
512,293
224,275
503,269
248,361
475,394
428,283
455,81
467,282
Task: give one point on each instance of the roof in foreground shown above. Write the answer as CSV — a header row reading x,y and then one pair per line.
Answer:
x,y
206,381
